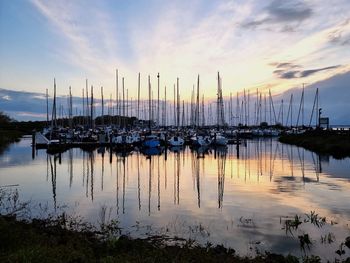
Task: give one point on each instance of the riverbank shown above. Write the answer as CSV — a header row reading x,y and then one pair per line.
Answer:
x,y
11,131
7,137
51,241
332,143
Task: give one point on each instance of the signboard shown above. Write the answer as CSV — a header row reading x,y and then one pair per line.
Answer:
x,y
324,121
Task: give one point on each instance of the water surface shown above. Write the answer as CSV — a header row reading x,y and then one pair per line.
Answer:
x,y
236,198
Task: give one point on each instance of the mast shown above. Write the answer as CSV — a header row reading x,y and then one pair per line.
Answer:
x,y
231,115
54,117
149,102
70,112
174,106
83,107
192,113
203,118
245,107
116,96
92,107
197,104
177,104
291,111
302,111
165,105
313,109
102,112
301,107
273,107
138,97
47,107
87,103
237,109
183,113
248,106
217,103
158,120
123,108
282,112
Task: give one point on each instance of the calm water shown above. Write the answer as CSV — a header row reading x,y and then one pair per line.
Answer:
x,y
219,197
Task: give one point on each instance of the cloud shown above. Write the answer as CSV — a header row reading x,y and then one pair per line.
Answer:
x,y
284,12
341,34
6,97
90,42
168,37
285,71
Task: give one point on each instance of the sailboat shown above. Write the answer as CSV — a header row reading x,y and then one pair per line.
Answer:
x,y
176,140
219,139
150,140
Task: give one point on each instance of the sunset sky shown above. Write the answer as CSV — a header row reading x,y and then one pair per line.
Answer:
x,y
254,44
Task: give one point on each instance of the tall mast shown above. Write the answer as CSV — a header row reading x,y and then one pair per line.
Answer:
x,y
217,102
123,109
116,93
54,117
110,112
231,115
177,104
282,111
183,113
174,106
197,104
192,112
92,107
237,109
149,102
203,118
47,107
102,112
83,93
165,105
291,111
87,103
317,111
302,110
138,97
315,104
245,108
158,120
257,107
70,108
248,122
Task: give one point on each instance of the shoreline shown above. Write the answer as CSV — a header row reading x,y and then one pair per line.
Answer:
x,y
47,239
334,143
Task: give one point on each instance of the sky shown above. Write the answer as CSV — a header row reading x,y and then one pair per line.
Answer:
x,y
274,44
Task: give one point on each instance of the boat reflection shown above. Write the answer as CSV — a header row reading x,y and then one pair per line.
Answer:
x,y
277,168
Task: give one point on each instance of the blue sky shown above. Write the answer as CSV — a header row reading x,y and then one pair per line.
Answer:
x,y
254,44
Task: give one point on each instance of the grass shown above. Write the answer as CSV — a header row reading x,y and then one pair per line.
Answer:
x,y
324,142
43,241
64,238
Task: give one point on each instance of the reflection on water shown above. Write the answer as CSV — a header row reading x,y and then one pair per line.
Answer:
x,y
226,195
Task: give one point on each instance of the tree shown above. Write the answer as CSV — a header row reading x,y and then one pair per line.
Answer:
x,y
4,119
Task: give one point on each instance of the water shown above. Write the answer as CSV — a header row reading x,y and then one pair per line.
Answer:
x,y
220,197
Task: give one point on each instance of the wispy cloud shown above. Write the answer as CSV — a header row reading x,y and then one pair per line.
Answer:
x,y
288,71
87,31
290,13
178,41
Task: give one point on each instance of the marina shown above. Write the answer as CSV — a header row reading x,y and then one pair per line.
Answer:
x,y
175,131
